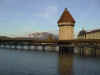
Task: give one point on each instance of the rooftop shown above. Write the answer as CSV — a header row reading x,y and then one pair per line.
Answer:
x,y
93,31
66,17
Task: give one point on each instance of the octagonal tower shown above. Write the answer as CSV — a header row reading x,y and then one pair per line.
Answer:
x,y
66,26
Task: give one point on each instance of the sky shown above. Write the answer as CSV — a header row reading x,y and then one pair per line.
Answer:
x,y
21,17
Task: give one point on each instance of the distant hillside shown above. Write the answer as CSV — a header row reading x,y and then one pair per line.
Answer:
x,y
43,36
4,37
36,36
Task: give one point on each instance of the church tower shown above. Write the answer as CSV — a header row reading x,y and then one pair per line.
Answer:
x,y
66,26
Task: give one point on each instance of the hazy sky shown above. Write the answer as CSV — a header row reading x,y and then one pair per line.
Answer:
x,y
20,17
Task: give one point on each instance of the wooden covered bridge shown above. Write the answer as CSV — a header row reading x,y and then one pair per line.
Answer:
x,y
79,44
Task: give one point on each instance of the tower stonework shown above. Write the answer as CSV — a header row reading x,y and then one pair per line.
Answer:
x,y
66,26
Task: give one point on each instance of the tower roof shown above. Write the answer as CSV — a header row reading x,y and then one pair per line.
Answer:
x,y
66,17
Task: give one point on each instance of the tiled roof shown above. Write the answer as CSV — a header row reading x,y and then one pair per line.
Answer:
x,y
93,31
66,17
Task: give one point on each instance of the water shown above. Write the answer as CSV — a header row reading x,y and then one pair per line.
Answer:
x,y
15,62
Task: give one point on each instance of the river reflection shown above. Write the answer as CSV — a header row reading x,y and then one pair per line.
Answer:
x,y
16,62
79,65
65,64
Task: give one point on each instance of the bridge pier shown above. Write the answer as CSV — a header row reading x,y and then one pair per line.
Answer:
x,y
65,49
60,50
15,46
21,47
87,51
82,51
43,48
35,47
94,51
28,47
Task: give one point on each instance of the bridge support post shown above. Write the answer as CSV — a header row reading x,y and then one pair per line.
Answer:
x,y
11,46
66,50
43,48
15,46
21,47
94,51
60,50
82,51
29,47
35,47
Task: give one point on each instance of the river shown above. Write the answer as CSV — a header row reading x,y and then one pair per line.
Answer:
x,y
20,62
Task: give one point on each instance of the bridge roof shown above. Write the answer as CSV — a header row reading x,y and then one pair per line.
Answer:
x,y
93,31
66,17
80,41
56,41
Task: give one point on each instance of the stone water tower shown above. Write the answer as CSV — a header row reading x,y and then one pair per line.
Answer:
x,y
66,26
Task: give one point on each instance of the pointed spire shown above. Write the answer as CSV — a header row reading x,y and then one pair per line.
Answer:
x,y
66,17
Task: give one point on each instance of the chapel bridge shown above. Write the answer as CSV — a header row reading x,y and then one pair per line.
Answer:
x,y
77,43
54,42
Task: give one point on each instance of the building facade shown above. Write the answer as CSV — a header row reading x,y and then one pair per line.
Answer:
x,y
66,26
93,34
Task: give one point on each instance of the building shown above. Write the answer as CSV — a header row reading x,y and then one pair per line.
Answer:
x,y
93,34
66,26
82,34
